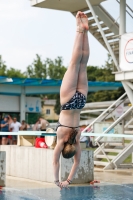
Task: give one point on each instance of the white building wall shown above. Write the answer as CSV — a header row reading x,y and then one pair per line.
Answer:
x,y
12,104
9,103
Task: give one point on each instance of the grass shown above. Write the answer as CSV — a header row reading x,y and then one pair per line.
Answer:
x,y
127,160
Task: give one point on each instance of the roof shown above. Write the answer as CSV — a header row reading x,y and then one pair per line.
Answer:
x,y
66,5
50,102
13,86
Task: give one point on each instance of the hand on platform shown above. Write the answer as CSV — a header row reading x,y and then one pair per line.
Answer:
x,y
58,184
64,184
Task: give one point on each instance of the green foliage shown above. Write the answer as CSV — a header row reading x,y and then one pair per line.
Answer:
x,y
56,70
4,71
104,73
105,95
37,69
52,69
57,105
15,73
3,67
32,118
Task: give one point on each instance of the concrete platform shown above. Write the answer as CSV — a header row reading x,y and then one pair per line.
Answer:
x,y
2,168
36,164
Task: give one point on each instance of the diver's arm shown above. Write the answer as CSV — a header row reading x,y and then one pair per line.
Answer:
x,y
76,162
56,157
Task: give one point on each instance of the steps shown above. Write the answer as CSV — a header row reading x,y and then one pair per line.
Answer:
x,y
113,150
99,163
103,156
108,24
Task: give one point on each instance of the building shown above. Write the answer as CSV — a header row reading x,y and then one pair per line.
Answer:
x,y
48,110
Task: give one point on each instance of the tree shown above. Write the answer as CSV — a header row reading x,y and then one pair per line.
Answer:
x,y
15,73
52,69
37,69
3,67
55,69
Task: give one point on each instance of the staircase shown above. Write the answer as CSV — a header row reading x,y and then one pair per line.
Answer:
x,y
114,154
109,26
110,155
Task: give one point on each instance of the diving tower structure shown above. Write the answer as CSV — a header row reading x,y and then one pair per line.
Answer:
x,y
109,33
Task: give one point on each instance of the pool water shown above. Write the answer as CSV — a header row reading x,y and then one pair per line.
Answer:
x,y
106,192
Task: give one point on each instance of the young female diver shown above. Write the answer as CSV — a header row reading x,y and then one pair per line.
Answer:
x,y
73,90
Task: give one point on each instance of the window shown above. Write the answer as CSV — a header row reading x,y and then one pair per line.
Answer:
x,y
47,111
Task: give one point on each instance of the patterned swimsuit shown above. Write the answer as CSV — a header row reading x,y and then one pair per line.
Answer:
x,y
78,101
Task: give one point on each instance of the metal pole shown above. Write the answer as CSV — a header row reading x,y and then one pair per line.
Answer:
x,y
122,17
22,104
122,27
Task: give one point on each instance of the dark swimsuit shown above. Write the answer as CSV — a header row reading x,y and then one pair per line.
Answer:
x,y
78,101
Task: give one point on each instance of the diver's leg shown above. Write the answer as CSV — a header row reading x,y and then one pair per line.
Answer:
x,y
69,82
82,85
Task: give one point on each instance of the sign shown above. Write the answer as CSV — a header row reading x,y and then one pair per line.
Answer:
x,y
119,110
33,104
126,53
100,127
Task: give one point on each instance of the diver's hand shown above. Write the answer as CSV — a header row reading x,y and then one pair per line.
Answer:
x,y
64,184
58,184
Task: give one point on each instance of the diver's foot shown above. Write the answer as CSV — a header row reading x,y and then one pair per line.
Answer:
x,y
80,25
84,21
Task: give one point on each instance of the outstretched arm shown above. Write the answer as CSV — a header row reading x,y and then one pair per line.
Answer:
x,y
75,164
56,157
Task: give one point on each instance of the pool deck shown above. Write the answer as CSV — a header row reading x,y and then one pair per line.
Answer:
x,y
105,177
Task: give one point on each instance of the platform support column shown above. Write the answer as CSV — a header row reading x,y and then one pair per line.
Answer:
x,y
2,168
22,104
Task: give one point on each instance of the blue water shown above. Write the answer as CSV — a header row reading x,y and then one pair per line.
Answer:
x,y
108,192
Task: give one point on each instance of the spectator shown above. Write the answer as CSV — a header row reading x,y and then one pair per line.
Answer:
x,y
43,124
4,128
24,126
36,126
84,139
15,127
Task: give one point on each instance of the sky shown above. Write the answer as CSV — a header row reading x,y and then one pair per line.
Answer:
x,y
26,31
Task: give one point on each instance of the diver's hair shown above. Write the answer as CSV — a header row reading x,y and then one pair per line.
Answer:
x,y
69,149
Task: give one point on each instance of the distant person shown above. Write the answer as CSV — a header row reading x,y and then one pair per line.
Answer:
x,y
23,126
85,139
36,126
15,127
4,128
43,124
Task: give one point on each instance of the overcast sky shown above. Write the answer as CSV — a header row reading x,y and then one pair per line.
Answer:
x,y
26,31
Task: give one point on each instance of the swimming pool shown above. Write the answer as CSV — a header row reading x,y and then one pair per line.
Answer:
x,y
105,192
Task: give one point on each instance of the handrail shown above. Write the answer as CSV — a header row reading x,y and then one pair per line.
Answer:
x,y
43,133
114,124
128,8
104,112
114,108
